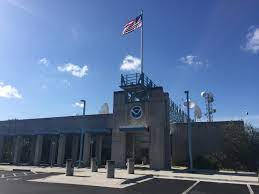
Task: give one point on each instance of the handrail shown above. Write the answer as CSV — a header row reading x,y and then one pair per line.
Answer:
x,y
136,79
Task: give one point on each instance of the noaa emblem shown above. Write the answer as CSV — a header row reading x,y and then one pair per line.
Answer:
x,y
136,112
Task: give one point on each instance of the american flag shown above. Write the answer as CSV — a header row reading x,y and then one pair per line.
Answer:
x,y
133,24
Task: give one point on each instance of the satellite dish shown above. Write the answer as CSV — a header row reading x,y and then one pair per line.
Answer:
x,y
104,109
197,112
203,94
191,104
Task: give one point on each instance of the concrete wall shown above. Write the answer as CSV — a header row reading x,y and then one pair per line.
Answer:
x,y
207,137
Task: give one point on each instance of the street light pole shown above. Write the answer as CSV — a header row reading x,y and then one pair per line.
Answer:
x,y
83,101
189,132
81,138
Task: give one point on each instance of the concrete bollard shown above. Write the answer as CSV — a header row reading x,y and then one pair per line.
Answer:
x,y
130,165
69,167
110,165
94,166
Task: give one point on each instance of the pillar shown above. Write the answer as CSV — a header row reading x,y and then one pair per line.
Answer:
x,y
1,148
61,149
75,143
32,149
86,149
159,129
17,149
38,150
120,116
53,150
98,150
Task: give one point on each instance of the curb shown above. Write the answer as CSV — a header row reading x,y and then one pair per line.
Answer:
x,y
210,179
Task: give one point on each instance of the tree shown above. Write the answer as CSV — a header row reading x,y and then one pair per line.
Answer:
x,y
239,147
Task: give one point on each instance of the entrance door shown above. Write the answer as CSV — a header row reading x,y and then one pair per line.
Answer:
x,y
130,145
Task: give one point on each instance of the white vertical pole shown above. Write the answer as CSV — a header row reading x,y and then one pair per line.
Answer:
x,y
141,52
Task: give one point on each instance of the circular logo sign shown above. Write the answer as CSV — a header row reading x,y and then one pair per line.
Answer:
x,y
136,112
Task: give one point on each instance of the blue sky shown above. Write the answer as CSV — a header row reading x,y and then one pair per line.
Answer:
x,y
54,53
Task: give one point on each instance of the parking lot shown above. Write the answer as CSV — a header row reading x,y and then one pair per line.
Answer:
x,y
18,182
170,186
22,175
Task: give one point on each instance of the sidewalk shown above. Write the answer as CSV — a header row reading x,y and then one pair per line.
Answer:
x,y
84,176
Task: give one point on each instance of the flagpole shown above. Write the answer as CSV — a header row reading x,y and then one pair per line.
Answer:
x,y
141,44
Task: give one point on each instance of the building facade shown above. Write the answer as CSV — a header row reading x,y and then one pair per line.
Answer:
x,y
138,128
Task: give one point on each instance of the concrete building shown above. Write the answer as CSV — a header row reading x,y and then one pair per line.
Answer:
x,y
138,128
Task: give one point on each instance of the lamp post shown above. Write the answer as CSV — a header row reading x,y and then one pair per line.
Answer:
x,y
189,132
81,138
83,101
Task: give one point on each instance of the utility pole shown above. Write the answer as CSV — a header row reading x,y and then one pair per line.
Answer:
x,y
189,132
81,137
141,44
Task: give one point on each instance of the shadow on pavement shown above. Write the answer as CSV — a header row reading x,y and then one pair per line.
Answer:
x,y
137,179
160,186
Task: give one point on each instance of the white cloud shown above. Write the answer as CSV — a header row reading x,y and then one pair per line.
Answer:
x,y
252,40
78,104
194,62
75,70
8,91
18,4
130,63
43,61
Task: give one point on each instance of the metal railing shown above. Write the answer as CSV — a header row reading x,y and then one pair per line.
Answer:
x,y
177,115
136,79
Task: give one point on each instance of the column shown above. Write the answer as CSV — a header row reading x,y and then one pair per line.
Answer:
x,y
17,149
75,142
61,149
86,149
32,149
38,150
98,150
53,150
1,147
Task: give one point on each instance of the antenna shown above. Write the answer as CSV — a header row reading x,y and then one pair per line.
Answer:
x,y
104,109
209,99
197,110
197,113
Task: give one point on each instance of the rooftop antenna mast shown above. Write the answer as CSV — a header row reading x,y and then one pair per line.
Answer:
x,y
209,99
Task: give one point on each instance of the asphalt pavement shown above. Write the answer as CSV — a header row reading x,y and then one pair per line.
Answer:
x,y
17,183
